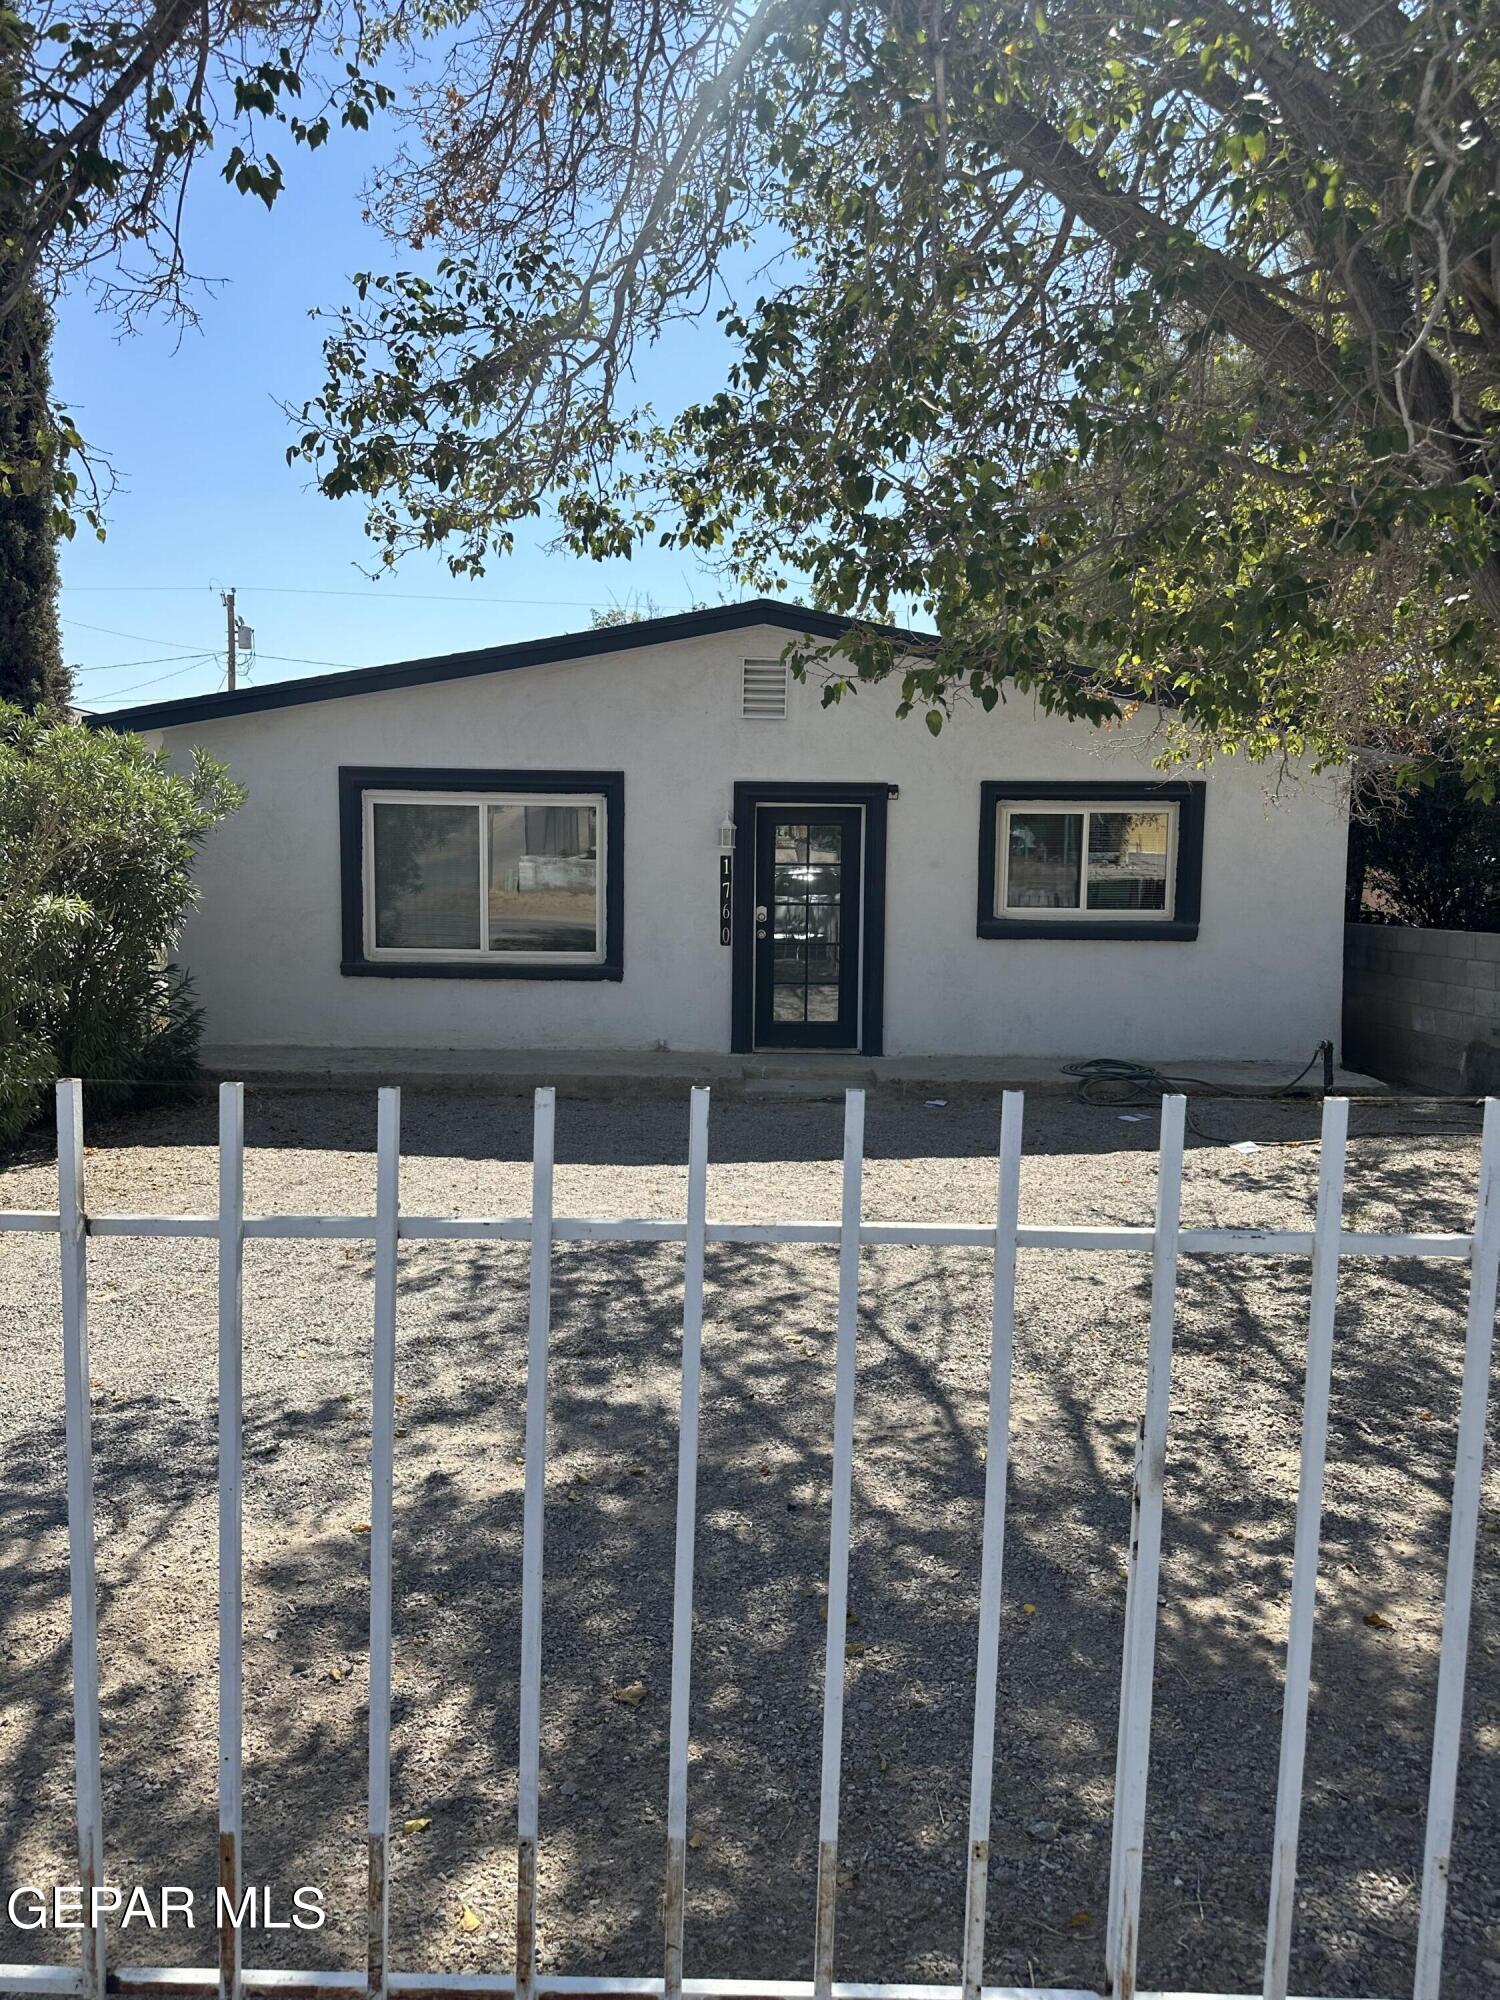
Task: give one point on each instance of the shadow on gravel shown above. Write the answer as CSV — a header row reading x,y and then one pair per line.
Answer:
x,y
762,1556
485,1125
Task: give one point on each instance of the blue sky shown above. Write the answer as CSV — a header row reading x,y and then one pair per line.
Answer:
x,y
191,421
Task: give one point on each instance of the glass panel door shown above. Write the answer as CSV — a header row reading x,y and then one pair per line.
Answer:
x,y
807,927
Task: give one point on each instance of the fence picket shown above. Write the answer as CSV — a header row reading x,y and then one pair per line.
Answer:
x,y
231,1526
1315,1395
1139,1664
539,1316
73,1238
382,1530
1113,1909
674,1906
838,1545
992,1545
1458,1595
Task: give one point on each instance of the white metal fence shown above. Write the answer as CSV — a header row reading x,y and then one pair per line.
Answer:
x,y
1327,1242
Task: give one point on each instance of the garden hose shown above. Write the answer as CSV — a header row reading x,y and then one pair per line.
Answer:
x,y
1109,1082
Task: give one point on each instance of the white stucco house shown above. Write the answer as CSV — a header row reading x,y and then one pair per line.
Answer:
x,y
651,837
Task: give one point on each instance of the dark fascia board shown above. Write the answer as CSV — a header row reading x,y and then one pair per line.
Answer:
x,y
791,618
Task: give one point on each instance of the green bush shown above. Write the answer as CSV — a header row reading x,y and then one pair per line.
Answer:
x,y
97,840
1429,858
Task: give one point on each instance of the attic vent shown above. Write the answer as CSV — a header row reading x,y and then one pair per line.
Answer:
x,y
763,691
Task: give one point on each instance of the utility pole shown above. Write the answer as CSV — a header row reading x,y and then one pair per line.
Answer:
x,y
227,596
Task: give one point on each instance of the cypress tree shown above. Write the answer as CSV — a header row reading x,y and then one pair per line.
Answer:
x,y
32,673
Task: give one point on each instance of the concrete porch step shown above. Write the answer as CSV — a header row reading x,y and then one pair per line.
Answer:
x,y
646,1073
811,1086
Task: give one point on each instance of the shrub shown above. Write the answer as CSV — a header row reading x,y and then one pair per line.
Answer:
x,y
1429,858
97,840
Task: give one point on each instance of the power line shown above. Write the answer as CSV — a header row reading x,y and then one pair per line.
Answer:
x,y
192,667
120,666
373,593
137,638
202,652
292,660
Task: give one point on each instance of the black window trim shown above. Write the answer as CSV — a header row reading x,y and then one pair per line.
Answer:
x,y
355,780
1187,794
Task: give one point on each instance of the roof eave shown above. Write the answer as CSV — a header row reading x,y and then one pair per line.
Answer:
x,y
355,681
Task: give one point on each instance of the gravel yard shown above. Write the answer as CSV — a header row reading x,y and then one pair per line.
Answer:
x,y
762,1551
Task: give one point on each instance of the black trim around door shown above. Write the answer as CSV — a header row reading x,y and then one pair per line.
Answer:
x,y
875,801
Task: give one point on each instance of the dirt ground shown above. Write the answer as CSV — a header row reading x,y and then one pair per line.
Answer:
x,y
762,1548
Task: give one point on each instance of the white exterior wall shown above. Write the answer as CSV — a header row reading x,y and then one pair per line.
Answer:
x,y
1262,979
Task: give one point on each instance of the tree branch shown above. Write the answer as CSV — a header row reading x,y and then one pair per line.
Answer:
x,y
158,38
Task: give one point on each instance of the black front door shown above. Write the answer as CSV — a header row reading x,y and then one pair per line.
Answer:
x,y
807,926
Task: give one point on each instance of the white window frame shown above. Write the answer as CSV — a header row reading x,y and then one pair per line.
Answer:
x,y
482,954
1081,912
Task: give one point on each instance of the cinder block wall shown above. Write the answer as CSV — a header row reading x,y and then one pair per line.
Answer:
x,y
1423,1007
